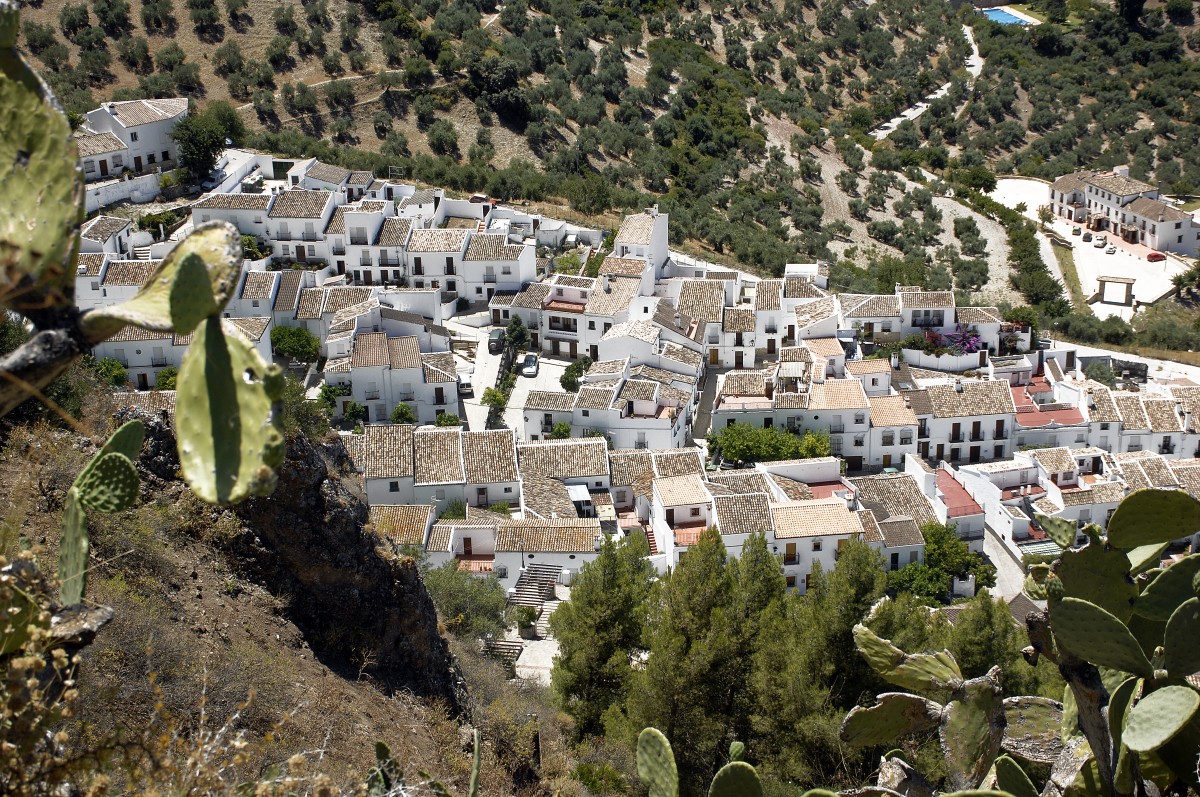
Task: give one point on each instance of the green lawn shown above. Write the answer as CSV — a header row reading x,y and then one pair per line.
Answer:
x,y
1066,263
1040,16
1193,205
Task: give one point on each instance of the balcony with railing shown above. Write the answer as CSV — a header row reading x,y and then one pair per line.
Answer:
x,y
906,441
338,250
158,362
1166,448
958,438
371,395
837,428
358,240
977,437
489,277
407,397
547,428
933,321
791,559
1001,434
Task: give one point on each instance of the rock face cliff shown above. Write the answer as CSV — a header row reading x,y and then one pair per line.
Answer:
x,y
362,610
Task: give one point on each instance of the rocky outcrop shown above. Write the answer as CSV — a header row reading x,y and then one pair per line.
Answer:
x,y
362,611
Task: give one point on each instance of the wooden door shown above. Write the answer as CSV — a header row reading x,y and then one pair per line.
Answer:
x,y
137,163
789,554
439,395
466,546
713,356
887,460
770,345
737,359
574,350
143,382
103,167
670,516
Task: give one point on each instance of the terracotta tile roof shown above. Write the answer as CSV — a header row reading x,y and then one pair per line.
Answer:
x,y
612,296
489,457
681,490
867,367
812,312
129,272
492,246
573,281
871,532
662,375
370,350
637,230
682,354
702,300
299,203
233,202
639,390
101,228
645,331
437,241
252,328
310,304
89,264
596,395
1104,408
898,532
795,354
678,463
725,275
337,221
131,334
423,196
437,456
532,296
628,466
1161,413
360,179
1118,184
980,315
825,347
927,299
1103,493
814,519
564,459
327,173
623,266
604,367
152,401
438,367
258,284
891,411
337,365
1133,414
342,296
289,290
838,394
91,144
870,306
746,383
1157,210
1055,460
387,451
553,400
393,232
560,535
737,319
742,514
404,352
401,524
743,481
894,495
1053,370
767,295
794,490
801,288
992,397
132,113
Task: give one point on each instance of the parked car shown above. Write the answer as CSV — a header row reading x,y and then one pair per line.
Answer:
x,y
1076,230
215,178
1087,236
1112,250
465,388
1100,242
529,366
1156,257
496,341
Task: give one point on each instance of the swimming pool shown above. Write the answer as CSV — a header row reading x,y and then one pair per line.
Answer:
x,y
1003,17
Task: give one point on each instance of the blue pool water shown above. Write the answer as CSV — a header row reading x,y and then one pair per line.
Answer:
x,y
1003,17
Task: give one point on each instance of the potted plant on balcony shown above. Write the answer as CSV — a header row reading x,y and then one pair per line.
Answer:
x,y
526,617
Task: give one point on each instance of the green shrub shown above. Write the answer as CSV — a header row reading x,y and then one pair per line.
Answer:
x,y
296,343
166,378
403,414
112,372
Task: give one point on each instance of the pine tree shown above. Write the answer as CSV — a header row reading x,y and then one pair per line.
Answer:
x,y
693,662
599,630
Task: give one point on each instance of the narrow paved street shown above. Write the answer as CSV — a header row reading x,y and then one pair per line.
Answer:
x,y
1010,577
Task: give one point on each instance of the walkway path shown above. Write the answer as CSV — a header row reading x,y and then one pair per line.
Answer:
x,y
1010,577
974,66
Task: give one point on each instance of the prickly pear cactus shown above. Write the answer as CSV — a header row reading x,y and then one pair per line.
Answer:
x,y
109,483
1150,517
736,779
229,440
1012,779
1092,634
1156,718
1168,590
894,715
192,283
972,726
40,183
1061,530
656,764
932,674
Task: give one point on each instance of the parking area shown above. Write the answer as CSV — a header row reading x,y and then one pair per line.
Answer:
x,y
550,370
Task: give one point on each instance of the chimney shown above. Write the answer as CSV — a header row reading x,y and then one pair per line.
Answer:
x,y
895,361
678,319
608,283
907,403
958,388
1091,398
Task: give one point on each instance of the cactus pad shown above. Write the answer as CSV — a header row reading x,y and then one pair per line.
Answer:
x,y
1061,530
20,615
1090,633
1149,517
1158,716
656,764
1119,702
736,750
1183,640
73,550
934,674
1032,728
110,484
896,714
736,779
1169,589
229,443
192,283
972,726
1099,575
1012,779
1145,557
40,183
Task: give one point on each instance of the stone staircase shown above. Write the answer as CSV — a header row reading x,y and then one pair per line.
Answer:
x,y
535,585
505,649
543,622
142,253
